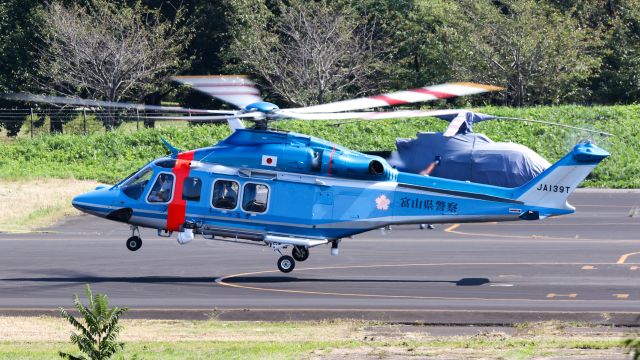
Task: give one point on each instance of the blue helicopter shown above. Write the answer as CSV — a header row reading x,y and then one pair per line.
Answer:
x,y
289,190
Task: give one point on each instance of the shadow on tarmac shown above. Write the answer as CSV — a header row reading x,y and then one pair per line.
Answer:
x,y
238,280
117,279
284,279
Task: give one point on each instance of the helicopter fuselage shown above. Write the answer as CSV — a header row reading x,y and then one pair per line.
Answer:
x,y
287,188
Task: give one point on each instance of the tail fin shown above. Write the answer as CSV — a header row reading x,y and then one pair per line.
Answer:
x,y
552,188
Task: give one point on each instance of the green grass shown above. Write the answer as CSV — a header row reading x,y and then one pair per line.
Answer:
x,y
108,157
161,350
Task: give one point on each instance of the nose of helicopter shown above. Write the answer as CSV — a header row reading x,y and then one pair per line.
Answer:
x,y
98,202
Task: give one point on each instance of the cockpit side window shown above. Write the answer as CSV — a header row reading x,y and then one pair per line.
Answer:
x,y
255,198
135,185
162,189
225,194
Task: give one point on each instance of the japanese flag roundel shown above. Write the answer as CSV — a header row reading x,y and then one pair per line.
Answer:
x,y
268,160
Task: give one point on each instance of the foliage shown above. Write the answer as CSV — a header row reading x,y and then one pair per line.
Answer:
x,y
632,345
544,52
109,50
111,156
310,53
536,52
97,336
17,36
620,75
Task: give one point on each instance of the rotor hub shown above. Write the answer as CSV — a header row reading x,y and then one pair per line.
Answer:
x,y
262,106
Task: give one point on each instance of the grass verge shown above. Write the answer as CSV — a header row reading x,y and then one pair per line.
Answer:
x,y
37,203
41,338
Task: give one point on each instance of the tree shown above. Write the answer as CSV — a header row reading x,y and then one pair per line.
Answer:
x,y
17,34
310,53
416,36
539,54
110,50
98,333
619,81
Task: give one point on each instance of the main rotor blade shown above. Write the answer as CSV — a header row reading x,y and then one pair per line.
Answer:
x,y
603,133
235,89
427,93
256,116
107,104
365,115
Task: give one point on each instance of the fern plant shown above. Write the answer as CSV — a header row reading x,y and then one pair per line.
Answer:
x,y
632,346
98,332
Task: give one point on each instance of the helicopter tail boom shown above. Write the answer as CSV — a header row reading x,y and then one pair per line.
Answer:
x,y
552,188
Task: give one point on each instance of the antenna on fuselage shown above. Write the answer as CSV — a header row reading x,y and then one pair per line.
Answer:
x,y
173,149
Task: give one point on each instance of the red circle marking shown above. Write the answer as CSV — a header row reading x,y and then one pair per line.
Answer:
x,y
269,160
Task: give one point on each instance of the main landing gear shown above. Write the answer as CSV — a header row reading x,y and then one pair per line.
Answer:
x,y
300,253
287,263
134,242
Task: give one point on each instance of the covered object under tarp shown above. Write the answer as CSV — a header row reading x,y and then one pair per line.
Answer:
x,y
469,156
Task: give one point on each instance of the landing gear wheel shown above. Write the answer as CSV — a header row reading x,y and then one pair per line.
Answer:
x,y
286,264
300,253
134,243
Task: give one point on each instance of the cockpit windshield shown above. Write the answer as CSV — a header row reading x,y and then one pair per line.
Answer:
x,y
134,186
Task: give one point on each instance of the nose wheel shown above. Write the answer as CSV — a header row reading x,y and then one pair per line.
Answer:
x,y
134,243
286,264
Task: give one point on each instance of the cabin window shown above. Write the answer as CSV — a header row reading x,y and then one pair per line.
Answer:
x,y
162,189
191,189
135,186
225,194
255,198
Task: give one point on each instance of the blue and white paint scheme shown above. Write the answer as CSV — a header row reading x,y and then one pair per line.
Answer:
x,y
314,192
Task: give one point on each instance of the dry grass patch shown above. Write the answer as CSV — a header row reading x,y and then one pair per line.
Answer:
x,y
53,329
33,204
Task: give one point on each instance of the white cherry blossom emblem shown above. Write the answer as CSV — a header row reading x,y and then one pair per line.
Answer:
x,y
382,202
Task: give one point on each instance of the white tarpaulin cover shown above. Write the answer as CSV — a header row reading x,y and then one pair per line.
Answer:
x,y
473,157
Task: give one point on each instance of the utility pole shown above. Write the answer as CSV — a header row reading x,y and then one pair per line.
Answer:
x,y
84,120
31,111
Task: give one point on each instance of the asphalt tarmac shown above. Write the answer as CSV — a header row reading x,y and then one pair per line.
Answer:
x,y
584,267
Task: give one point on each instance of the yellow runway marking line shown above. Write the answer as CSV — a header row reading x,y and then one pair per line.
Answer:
x,y
624,257
222,281
621,296
554,295
589,267
452,227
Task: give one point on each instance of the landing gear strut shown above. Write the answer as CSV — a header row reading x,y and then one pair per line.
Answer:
x,y
134,242
286,263
300,253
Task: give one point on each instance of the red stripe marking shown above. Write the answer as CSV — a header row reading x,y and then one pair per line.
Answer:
x,y
438,94
389,100
331,160
178,207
